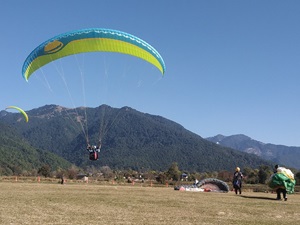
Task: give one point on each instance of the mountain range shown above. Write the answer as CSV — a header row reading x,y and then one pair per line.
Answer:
x,y
280,154
130,140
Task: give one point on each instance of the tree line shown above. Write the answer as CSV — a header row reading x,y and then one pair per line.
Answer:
x,y
172,175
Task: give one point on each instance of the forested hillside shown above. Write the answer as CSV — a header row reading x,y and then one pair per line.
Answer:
x,y
18,155
130,139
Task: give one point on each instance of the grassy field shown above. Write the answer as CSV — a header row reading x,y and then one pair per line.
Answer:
x,y
45,203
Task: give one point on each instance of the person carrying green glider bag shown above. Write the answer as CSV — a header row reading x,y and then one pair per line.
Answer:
x,y
282,181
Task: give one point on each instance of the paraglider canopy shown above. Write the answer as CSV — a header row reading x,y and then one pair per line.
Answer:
x,y
86,41
90,40
20,110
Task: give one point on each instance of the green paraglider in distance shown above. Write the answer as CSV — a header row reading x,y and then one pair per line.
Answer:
x,y
20,110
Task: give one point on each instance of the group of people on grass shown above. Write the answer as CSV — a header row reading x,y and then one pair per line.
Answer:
x,y
237,184
237,175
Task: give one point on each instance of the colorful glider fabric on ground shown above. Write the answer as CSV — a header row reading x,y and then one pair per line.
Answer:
x,y
20,110
90,40
284,178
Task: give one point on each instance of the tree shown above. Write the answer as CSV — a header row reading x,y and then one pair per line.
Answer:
x,y
251,175
161,178
194,176
72,172
17,170
263,174
149,175
107,172
45,171
59,172
225,176
174,172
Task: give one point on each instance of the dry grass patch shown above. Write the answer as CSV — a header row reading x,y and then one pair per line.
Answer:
x,y
40,203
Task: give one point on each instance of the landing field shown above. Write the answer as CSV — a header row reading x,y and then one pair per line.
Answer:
x,y
43,203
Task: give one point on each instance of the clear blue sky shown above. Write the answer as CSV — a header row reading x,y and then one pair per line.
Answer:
x,y
233,67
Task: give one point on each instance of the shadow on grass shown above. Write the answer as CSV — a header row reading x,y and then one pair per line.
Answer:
x,y
259,197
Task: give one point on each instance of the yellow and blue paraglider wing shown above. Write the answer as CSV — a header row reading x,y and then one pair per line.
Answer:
x,y
90,40
20,110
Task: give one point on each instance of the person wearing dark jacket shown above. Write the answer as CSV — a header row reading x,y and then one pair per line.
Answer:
x,y
94,151
237,180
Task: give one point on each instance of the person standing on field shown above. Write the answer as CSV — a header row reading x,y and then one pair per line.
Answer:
x,y
280,190
237,180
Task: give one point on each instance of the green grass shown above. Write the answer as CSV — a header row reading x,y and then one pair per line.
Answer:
x,y
79,203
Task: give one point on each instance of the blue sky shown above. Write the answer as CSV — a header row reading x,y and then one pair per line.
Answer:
x,y
232,66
